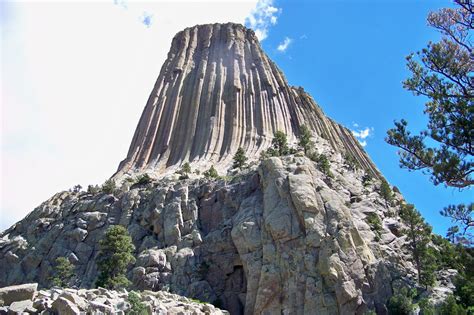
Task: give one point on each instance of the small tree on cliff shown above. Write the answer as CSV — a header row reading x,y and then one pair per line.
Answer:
x,y
305,139
386,192
211,173
186,168
63,272
419,236
240,159
279,144
116,253
109,186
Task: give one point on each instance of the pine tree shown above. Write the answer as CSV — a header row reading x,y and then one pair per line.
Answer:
x,y
186,168
63,272
324,165
442,72
305,139
211,173
116,253
386,192
109,186
280,144
240,159
462,215
419,237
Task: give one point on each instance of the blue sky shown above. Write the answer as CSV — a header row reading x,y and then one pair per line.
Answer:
x,y
75,77
350,56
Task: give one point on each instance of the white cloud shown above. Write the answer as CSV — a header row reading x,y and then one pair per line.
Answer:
x,y
75,77
362,134
262,17
284,45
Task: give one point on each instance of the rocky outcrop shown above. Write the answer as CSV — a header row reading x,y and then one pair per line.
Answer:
x,y
279,237
218,91
102,301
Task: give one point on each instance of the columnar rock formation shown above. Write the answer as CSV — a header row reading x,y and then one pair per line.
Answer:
x,y
218,91
284,236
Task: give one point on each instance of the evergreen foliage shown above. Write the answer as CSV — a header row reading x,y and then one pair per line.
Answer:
x,y
351,161
115,254
211,173
462,215
240,159
386,191
305,139
109,186
375,224
279,144
63,272
93,189
186,168
323,164
137,307
442,72
143,179
419,237
401,303
452,307
366,179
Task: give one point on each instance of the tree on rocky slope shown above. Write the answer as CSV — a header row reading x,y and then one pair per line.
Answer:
x,y
305,139
63,272
442,72
419,236
116,253
279,144
386,192
239,158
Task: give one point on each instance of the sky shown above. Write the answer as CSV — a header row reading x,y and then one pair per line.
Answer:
x,y
75,77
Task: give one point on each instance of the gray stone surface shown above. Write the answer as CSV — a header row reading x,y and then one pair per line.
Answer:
x,y
218,91
16,293
101,301
279,237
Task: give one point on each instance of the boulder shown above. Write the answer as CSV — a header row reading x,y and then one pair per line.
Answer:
x,y
64,306
20,307
18,293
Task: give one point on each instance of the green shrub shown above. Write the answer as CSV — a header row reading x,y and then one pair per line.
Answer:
x,y
426,308
109,186
305,139
186,168
401,303
279,144
93,189
366,179
143,179
115,254
63,272
323,164
386,191
137,307
351,161
240,159
452,307
211,173
375,224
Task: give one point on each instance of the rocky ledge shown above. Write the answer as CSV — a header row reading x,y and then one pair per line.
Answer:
x,y
25,298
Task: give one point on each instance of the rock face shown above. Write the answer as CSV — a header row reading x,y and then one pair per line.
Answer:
x,y
218,91
101,301
284,236
279,237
